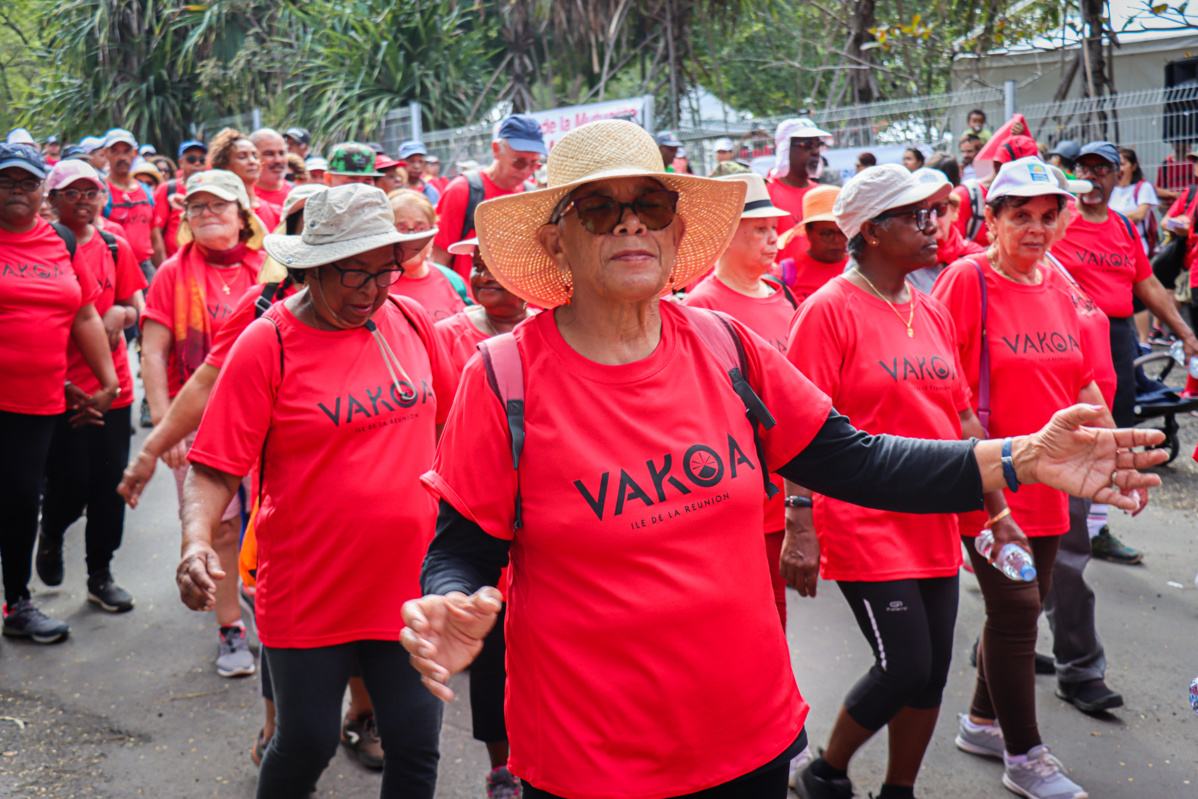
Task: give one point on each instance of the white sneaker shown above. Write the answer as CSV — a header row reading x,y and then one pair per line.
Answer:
x,y
1041,777
799,763
979,740
234,658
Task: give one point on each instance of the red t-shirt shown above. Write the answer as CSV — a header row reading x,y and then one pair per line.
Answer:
x,y
768,317
956,247
160,301
641,545
112,227
243,313
1096,334
790,199
451,213
1037,367
41,290
270,215
1106,259
810,274
982,236
857,352
118,280
433,291
344,524
275,197
167,219
134,211
460,337
1175,176
439,183
1178,209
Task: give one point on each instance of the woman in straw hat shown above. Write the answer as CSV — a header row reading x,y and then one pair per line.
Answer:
x,y
739,287
887,356
335,395
629,493
192,297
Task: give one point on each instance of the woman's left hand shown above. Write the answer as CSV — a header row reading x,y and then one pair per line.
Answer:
x,y
1089,462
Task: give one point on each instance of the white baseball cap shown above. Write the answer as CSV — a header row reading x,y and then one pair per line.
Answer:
x,y
877,189
464,247
724,145
1025,177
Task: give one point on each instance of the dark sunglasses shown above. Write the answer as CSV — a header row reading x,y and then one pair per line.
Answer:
x,y
521,164
357,278
194,159
600,214
1099,170
923,216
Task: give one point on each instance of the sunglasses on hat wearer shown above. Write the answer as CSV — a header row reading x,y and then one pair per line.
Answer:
x,y
923,216
601,214
1099,170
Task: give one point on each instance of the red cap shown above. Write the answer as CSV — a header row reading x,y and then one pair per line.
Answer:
x,y
382,162
1015,148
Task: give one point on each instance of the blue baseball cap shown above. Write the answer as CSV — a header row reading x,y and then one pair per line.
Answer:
x,y
190,144
23,156
1104,149
523,134
413,147
1067,149
666,138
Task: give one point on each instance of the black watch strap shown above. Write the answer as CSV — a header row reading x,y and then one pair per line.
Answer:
x,y
798,502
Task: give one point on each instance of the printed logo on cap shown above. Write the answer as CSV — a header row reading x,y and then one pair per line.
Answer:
x,y
1038,173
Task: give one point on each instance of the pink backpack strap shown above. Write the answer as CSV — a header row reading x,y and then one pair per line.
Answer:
x,y
984,359
505,375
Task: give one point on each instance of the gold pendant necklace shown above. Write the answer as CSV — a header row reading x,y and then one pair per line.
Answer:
x,y
909,319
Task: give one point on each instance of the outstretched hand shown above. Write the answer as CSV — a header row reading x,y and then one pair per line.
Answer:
x,y
1090,462
444,634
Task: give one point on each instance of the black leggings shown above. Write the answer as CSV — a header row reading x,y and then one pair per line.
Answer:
x,y
488,678
309,685
769,784
1125,348
82,471
24,445
909,624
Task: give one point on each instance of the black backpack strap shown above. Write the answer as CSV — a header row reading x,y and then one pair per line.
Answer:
x,y
68,238
110,240
781,286
477,194
265,299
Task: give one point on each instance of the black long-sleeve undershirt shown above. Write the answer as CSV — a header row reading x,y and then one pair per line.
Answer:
x,y
905,475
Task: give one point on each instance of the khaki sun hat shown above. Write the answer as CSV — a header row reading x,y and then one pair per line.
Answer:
x,y
228,187
758,204
338,223
507,226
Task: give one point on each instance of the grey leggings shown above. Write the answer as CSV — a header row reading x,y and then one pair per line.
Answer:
x,y
309,685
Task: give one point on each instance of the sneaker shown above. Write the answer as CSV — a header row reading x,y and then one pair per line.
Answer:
x,y
809,786
23,620
361,737
501,784
145,420
233,659
798,764
109,596
1090,696
1041,777
259,748
978,740
1045,665
49,559
1105,546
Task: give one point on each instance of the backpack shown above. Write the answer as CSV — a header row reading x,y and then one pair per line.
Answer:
x,y
977,208
505,375
68,238
267,299
478,193
149,201
781,285
456,281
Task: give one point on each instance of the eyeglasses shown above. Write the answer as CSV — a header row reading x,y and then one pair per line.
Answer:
x,y
215,207
358,278
194,159
1098,170
407,231
808,142
73,195
27,185
923,216
520,164
600,214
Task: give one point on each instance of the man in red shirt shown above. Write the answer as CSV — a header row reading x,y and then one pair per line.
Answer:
x,y
1176,174
51,153
798,143
272,155
129,201
193,156
413,154
517,150
817,247
432,173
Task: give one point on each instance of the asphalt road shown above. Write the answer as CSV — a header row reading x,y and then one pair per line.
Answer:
x,y
131,705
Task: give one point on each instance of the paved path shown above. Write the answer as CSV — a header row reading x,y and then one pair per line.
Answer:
x,y
131,705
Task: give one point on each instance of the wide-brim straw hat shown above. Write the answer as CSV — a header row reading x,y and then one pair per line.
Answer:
x,y
339,223
507,226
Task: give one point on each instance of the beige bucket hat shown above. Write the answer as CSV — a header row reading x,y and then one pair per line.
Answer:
x,y
338,223
507,226
230,188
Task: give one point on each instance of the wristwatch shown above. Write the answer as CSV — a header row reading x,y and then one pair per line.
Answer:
x,y
1008,466
798,502
115,392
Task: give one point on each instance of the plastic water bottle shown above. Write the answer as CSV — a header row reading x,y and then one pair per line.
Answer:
x,y
1194,694
1177,351
1013,560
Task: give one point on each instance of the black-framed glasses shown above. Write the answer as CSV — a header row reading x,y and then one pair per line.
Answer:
x,y
194,159
923,216
358,278
600,214
215,207
27,185
1098,170
806,141
73,195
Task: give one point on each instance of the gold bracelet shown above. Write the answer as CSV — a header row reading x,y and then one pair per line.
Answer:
x,y
1004,513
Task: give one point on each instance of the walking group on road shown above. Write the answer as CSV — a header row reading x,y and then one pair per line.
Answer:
x,y
571,432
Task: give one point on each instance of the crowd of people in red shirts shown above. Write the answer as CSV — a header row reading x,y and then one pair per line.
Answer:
x,y
298,318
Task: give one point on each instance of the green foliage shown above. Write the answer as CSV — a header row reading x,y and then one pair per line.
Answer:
x,y
19,65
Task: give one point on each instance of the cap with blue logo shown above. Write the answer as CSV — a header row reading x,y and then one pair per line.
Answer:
x,y
523,134
1025,177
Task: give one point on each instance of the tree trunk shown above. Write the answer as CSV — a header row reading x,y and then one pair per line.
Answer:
x,y
860,75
